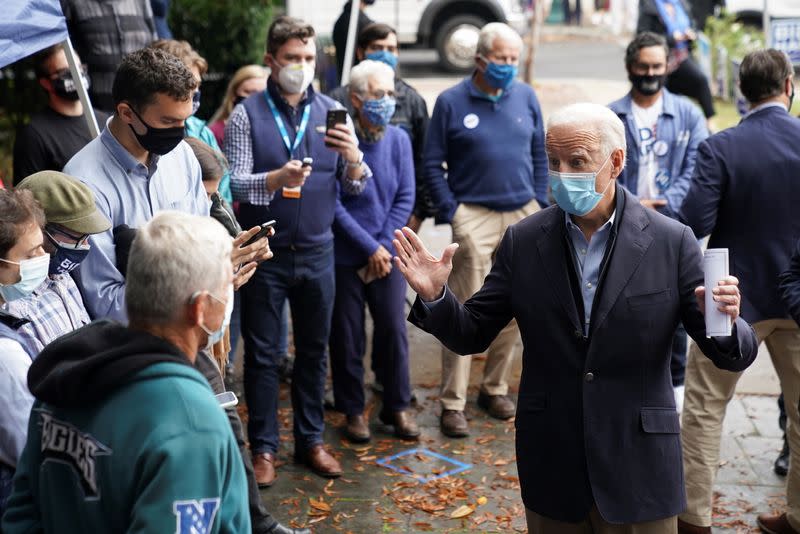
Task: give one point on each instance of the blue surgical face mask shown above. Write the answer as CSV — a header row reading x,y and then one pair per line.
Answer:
x,y
32,272
385,56
66,256
379,111
215,336
576,192
499,75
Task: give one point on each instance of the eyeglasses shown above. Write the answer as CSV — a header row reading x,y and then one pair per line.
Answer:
x,y
649,67
61,73
380,93
75,241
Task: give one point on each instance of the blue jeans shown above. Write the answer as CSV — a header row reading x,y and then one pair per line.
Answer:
x,y
236,325
6,484
306,278
236,328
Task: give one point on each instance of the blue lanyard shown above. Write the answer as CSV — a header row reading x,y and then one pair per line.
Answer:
x,y
282,127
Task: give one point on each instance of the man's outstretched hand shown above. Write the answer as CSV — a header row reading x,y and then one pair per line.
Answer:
x,y
425,274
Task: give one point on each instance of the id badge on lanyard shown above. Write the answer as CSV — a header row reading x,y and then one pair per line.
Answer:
x,y
289,192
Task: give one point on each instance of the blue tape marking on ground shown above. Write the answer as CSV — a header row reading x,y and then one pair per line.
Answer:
x,y
388,459
445,458
460,466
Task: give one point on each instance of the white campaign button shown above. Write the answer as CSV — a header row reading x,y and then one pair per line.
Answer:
x,y
471,121
660,148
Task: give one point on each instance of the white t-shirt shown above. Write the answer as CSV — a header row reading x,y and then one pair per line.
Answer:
x,y
645,120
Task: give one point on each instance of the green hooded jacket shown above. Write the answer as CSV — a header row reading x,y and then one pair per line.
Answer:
x,y
125,436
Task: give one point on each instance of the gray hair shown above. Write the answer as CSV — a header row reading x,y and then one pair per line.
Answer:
x,y
492,31
172,257
604,121
367,69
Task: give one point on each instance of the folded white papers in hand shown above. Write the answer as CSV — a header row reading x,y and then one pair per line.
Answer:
x,y
715,268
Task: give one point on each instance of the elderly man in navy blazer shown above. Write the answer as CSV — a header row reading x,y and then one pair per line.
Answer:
x,y
597,285
745,193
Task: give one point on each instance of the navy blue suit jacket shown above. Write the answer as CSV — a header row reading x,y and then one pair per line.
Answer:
x,y
746,193
596,419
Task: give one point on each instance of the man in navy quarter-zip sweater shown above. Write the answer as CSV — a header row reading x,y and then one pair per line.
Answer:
x,y
486,169
266,138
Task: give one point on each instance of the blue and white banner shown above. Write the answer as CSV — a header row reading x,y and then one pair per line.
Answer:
x,y
27,26
784,35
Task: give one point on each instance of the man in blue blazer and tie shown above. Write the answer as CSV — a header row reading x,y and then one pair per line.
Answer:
x,y
745,193
597,285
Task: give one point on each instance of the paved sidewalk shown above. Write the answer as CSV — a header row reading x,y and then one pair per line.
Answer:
x,y
371,498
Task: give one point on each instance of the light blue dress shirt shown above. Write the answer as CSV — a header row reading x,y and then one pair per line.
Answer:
x,y
15,399
128,192
588,259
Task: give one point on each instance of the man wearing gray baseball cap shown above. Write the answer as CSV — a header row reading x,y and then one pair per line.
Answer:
x,y
55,307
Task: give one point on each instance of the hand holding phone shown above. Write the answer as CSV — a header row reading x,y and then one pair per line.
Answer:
x,y
227,399
264,232
334,117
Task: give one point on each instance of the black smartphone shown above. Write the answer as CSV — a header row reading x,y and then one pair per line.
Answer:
x,y
334,117
261,233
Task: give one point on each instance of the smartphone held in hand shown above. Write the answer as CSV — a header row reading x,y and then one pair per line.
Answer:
x,y
264,232
334,117
715,268
227,399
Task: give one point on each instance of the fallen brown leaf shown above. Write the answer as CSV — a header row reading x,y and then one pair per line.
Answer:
x,y
319,505
462,511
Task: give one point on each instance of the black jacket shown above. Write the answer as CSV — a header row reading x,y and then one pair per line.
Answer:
x,y
340,28
650,19
596,419
411,114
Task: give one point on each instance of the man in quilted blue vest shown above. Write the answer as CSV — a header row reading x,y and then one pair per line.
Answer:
x,y
288,166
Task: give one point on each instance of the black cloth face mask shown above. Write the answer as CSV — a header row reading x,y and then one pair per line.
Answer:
x,y
158,140
648,84
64,86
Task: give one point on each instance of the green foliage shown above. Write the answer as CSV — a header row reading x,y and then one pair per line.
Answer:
x,y
20,96
228,34
736,38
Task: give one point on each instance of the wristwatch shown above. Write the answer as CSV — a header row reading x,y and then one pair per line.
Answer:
x,y
356,164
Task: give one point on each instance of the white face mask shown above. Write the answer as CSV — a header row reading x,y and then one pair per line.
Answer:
x,y
295,78
215,336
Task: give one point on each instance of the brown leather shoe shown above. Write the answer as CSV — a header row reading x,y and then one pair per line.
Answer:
x,y
498,406
775,524
454,424
356,429
321,462
688,528
264,467
405,427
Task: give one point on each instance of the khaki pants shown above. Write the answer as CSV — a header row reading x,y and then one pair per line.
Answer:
x,y
478,232
595,524
708,391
